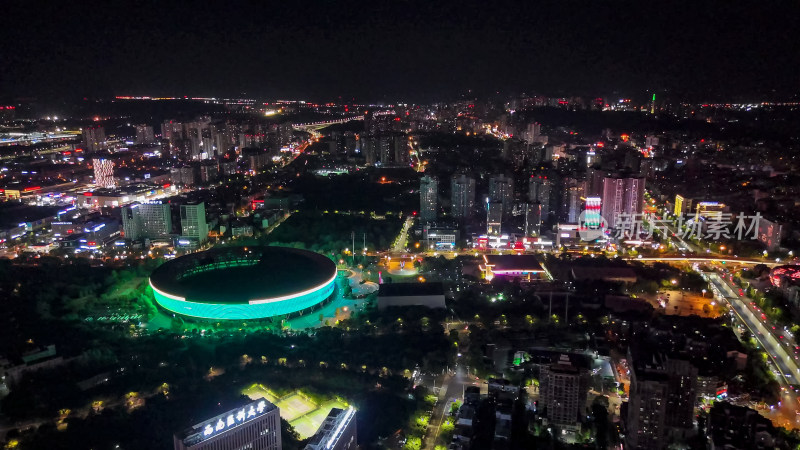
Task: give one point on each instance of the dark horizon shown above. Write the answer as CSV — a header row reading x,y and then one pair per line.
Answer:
x,y
402,51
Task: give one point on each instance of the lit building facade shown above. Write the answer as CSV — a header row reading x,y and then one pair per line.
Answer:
x,y
682,205
337,432
501,189
193,222
146,220
494,218
563,393
622,195
575,193
104,172
145,134
770,233
709,209
428,198
663,392
539,189
256,426
533,219
462,196
94,139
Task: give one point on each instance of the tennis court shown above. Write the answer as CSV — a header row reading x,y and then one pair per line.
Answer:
x,y
294,406
302,413
257,391
308,424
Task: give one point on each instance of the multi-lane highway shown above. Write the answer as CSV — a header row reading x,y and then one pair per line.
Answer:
x,y
780,348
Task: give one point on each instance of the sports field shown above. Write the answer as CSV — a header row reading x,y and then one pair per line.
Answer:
x,y
295,405
297,409
257,391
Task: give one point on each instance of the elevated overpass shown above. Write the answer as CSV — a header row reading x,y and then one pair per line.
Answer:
x,y
706,259
315,126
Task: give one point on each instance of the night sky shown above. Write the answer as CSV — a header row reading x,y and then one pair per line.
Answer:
x,y
400,50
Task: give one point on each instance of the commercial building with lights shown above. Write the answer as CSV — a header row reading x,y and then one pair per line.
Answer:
x,y
621,195
104,172
513,266
709,209
114,198
244,283
146,220
337,432
256,426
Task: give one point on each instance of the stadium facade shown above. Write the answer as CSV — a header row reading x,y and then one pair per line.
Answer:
x,y
244,283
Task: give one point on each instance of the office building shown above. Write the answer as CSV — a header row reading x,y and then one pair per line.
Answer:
x,y
185,175
622,195
663,392
501,189
770,233
385,150
209,171
709,209
462,196
369,148
594,181
193,222
533,219
563,390
683,205
532,132
146,220
104,172
337,432
575,195
539,191
256,426
94,139
428,198
440,238
172,131
145,134
494,218
401,149
257,158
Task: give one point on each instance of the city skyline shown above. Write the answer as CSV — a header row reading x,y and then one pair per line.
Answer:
x,y
394,52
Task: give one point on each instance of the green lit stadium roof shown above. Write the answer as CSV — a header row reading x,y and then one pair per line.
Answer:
x,y
236,275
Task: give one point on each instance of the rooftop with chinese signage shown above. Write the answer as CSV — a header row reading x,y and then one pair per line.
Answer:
x,y
225,422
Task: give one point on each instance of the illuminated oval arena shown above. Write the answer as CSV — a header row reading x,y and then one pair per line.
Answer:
x,y
244,282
